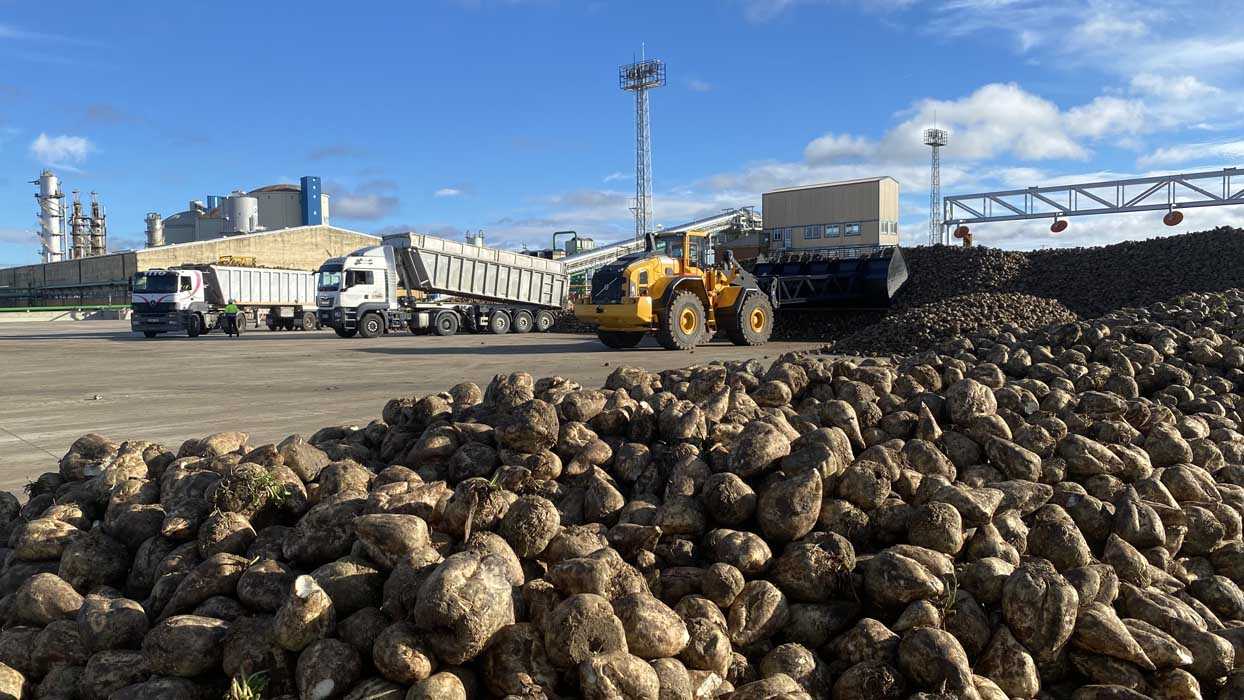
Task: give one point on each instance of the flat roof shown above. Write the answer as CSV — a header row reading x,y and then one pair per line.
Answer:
x,y
833,184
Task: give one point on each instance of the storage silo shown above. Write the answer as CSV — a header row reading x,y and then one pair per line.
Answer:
x,y
241,213
155,230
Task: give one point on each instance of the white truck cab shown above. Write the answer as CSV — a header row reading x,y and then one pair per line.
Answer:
x,y
164,300
361,285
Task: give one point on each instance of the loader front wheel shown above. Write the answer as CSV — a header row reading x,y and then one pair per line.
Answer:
x,y
620,340
751,323
682,324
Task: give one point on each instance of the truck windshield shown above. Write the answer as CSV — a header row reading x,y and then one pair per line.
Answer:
x,y
330,278
155,283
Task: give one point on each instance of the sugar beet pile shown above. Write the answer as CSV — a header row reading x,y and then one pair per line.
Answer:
x,y
1046,515
952,290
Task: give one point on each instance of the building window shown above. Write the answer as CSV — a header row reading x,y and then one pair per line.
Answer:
x,y
831,230
811,233
851,230
777,236
885,226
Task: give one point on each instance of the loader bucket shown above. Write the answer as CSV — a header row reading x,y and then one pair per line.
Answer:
x,y
868,281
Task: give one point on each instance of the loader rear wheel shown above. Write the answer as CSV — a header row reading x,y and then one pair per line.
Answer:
x,y
620,340
682,324
751,323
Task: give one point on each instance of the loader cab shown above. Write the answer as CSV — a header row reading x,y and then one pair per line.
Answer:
x,y
691,248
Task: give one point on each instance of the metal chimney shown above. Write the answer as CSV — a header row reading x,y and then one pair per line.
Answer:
x,y
51,217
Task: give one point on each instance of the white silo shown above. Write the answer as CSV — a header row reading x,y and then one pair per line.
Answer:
x,y
51,217
241,213
155,230
476,238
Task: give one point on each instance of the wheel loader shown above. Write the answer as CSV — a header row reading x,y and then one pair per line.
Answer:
x,y
668,290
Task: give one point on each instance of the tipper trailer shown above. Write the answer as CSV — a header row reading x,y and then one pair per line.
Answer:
x,y
192,298
491,290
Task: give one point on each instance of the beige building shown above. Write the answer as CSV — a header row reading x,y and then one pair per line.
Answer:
x,y
105,279
832,215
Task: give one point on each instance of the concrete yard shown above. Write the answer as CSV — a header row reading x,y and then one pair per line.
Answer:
x,y
61,380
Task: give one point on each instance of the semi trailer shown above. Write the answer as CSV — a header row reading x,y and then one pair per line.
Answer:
x,y
191,299
376,290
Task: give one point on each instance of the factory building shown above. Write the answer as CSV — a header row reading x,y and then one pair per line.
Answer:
x,y
836,216
265,209
105,279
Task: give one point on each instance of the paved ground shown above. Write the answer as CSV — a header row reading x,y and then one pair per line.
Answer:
x,y
60,380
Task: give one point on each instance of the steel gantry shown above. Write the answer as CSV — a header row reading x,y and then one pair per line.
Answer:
x,y
1158,193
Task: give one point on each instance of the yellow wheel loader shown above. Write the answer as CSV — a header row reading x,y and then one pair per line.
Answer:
x,y
668,290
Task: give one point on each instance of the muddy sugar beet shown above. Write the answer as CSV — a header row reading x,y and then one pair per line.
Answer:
x,y
1050,514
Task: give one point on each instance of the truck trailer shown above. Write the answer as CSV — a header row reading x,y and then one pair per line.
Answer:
x,y
192,298
489,290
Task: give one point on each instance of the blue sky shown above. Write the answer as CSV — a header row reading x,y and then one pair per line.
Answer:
x,y
445,115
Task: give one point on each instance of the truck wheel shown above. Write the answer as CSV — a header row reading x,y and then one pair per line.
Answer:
x,y
620,340
446,323
271,323
544,321
194,326
345,333
499,323
308,321
150,334
682,324
523,322
751,323
371,325
240,324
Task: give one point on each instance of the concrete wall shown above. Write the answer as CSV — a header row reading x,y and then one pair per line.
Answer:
x,y
302,248
105,279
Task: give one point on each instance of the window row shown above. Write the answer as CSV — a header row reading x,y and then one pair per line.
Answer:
x,y
889,227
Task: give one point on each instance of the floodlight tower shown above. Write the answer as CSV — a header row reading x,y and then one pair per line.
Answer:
x,y
935,139
639,78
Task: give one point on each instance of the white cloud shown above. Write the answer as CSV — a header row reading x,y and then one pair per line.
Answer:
x,y
614,176
1107,115
374,199
1183,87
832,148
61,151
447,192
1227,152
697,85
995,120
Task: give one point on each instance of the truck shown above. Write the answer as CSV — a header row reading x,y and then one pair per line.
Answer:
x,y
489,290
192,298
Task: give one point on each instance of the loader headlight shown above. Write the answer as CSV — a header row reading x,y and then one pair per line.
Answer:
x,y
631,290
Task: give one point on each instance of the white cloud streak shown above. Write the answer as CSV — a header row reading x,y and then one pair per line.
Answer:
x,y
61,151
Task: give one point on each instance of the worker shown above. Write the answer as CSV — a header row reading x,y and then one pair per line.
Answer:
x,y
231,318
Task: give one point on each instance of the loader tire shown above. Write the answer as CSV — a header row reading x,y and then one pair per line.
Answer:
x,y
620,340
682,324
750,323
